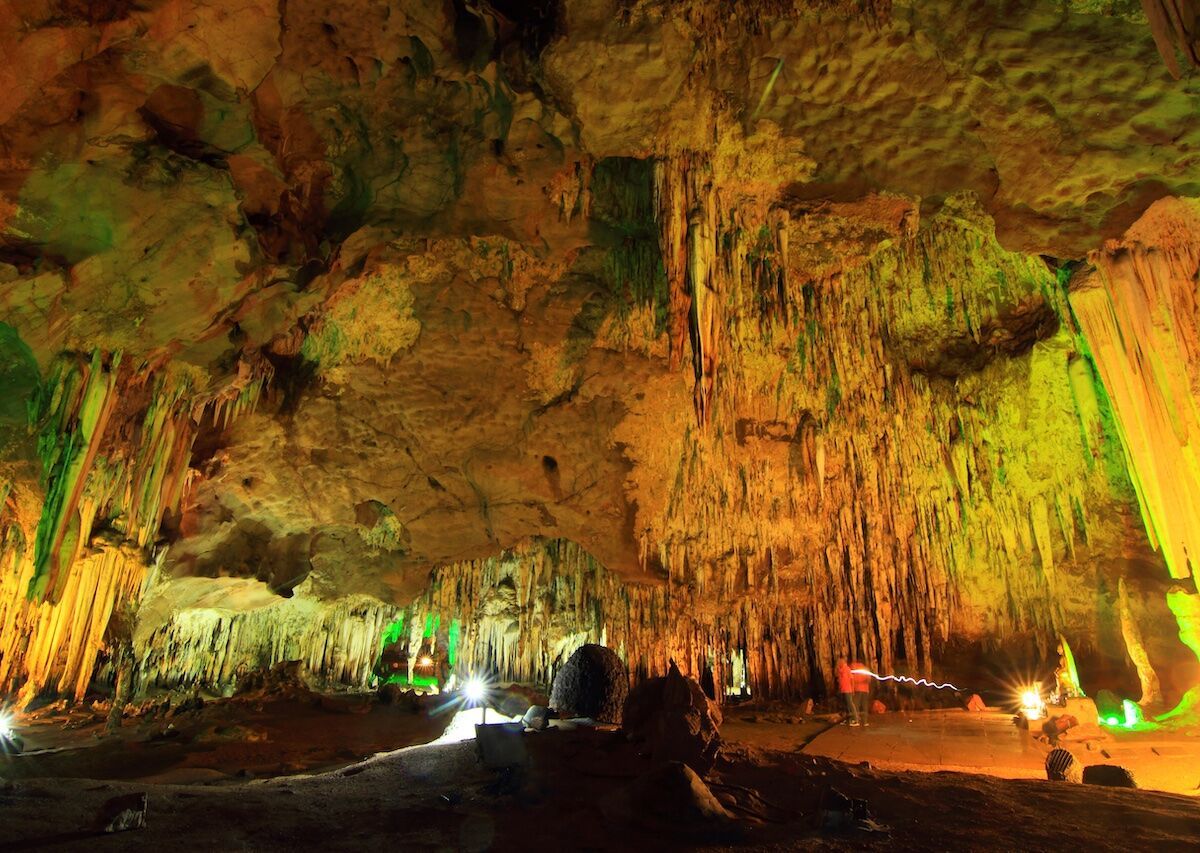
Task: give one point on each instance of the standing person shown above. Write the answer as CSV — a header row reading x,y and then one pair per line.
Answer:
x,y
845,686
862,690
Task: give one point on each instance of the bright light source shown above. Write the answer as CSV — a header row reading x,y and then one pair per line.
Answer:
x,y
425,661
1112,721
1133,713
1032,706
474,689
6,729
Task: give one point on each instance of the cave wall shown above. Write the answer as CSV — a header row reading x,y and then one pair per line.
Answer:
x,y
759,308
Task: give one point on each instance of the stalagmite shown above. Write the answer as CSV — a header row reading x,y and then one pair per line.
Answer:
x,y
1151,690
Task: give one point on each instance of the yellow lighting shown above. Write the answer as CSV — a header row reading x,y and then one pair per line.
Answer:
x,y
426,661
1033,707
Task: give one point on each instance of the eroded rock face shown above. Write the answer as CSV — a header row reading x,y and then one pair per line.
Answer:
x,y
726,323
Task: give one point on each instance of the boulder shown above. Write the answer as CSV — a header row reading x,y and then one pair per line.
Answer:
x,y
121,814
1110,775
1061,766
1056,726
537,718
592,683
675,721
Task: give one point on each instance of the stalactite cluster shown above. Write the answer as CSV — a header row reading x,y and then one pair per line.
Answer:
x,y
712,249
337,642
114,443
921,502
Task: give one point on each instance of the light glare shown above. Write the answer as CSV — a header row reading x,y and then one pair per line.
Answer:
x,y
474,690
1032,706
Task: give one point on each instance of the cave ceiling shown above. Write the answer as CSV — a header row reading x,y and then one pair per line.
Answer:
x,y
407,258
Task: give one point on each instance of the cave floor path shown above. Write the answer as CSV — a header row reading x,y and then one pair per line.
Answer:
x,y
988,742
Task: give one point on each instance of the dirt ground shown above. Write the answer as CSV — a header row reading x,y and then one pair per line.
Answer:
x,y
243,737
438,797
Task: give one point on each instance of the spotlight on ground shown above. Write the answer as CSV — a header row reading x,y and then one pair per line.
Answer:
x,y
11,743
475,690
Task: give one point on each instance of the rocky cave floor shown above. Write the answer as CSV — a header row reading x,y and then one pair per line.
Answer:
x,y
287,770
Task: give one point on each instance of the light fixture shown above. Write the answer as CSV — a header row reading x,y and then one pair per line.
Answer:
x,y
1133,713
425,661
1032,705
475,690
6,729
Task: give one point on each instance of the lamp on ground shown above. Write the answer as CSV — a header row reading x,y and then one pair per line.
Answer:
x,y
1033,707
475,692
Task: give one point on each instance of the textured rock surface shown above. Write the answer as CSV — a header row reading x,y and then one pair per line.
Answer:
x,y
693,329
674,720
592,683
1110,775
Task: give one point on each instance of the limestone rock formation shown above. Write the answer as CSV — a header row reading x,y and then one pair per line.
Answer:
x,y
738,334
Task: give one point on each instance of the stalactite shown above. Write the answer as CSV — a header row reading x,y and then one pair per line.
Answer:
x,y
338,642
115,443
1136,311
53,646
713,246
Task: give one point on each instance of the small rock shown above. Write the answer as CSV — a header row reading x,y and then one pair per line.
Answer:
x,y
537,718
807,708
121,814
878,707
975,703
1110,775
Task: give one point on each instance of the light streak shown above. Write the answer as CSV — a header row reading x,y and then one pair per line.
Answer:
x,y
919,682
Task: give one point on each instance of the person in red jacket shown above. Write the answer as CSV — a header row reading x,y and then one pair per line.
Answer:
x,y
845,686
862,690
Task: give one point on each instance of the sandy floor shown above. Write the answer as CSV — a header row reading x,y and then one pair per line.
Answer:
x,y
988,742
440,798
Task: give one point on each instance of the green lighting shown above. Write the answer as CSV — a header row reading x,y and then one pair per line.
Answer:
x,y
1111,721
452,642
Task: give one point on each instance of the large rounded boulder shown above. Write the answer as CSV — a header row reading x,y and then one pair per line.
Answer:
x,y
592,683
